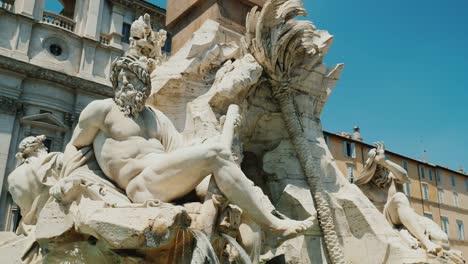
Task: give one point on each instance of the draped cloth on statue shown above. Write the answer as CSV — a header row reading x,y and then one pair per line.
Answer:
x,y
84,169
47,174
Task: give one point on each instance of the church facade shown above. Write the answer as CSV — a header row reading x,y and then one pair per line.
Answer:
x,y
51,66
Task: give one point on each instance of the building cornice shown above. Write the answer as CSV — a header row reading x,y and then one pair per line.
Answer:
x,y
73,82
393,153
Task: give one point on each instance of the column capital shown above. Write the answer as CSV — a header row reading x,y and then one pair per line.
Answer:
x,y
8,105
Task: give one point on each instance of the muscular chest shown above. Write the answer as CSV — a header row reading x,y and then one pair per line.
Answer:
x,y
120,127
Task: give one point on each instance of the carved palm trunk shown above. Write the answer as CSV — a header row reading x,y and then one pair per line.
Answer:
x,y
312,172
289,50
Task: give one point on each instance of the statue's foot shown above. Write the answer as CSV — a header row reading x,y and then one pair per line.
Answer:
x,y
432,248
292,229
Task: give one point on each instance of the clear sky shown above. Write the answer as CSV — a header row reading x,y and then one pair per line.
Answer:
x,y
405,80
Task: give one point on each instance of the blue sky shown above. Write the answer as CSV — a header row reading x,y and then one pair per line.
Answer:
x,y
405,79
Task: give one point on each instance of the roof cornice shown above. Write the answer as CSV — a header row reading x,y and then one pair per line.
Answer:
x,y
73,82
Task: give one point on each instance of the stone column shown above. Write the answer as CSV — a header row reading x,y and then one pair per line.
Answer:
x,y
70,120
26,7
92,29
38,9
8,137
87,59
6,129
116,23
58,144
22,39
80,16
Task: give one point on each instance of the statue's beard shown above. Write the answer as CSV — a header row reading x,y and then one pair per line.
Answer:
x,y
130,105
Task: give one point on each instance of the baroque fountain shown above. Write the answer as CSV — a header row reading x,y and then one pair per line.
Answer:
x,y
213,155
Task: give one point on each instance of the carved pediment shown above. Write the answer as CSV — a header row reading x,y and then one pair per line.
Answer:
x,y
45,120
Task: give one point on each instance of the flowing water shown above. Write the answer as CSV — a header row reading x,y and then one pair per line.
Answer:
x,y
203,249
244,257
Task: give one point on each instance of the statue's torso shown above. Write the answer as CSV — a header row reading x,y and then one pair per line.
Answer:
x,y
123,144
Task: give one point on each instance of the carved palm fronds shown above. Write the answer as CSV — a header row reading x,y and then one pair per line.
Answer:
x,y
288,50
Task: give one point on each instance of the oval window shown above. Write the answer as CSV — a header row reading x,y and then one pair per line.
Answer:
x,y
55,49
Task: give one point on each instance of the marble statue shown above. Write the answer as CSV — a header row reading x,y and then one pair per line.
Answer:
x,y
138,148
207,156
30,182
146,42
381,173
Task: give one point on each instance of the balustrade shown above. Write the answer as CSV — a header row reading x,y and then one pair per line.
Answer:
x,y
58,21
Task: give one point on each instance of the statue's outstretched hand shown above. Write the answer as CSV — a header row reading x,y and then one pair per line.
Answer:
x,y
380,152
64,189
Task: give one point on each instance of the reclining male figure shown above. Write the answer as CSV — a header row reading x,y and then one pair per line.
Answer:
x,y
385,174
139,149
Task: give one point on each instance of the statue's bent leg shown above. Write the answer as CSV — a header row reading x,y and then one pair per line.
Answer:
x,y
175,174
401,212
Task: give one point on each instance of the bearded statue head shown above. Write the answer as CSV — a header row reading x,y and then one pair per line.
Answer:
x,y
32,146
130,78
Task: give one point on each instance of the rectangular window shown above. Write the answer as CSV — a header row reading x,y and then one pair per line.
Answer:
x,y
421,171
437,176
444,222
440,193
452,180
455,199
405,165
168,45
14,218
425,192
461,230
408,188
350,171
466,185
428,215
429,170
126,32
349,149
327,140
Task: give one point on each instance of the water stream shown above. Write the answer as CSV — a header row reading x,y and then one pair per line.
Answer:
x,y
203,249
244,257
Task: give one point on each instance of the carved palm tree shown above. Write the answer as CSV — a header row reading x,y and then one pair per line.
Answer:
x,y
288,50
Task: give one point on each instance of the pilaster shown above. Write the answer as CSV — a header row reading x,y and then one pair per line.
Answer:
x,y
115,31
9,109
25,7
23,37
87,59
92,29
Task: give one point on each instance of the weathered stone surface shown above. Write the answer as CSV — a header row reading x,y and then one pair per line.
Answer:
x,y
14,247
227,104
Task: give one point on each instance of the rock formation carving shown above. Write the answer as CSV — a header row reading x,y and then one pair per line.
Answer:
x,y
205,156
